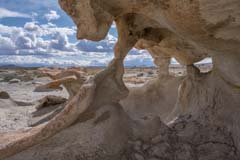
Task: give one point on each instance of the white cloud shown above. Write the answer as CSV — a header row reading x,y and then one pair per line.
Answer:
x,y
143,59
34,60
10,31
34,15
24,42
105,45
33,39
5,13
97,63
59,41
31,26
42,44
6,45
113,25
99,47
48,44
52,15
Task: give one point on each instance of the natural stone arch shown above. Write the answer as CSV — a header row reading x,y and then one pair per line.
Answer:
x,y
206,124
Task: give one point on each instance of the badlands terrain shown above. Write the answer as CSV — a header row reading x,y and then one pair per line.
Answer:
x,y
134,114
18,98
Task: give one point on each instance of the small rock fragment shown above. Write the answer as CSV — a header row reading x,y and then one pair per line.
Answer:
x,y
4,95
14,81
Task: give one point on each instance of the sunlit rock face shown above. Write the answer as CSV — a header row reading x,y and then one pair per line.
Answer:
x,y
202,27
200,111
86,15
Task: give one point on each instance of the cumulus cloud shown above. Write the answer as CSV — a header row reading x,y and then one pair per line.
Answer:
x,y
52,15
60,42
5,13
9,31
50,29
24,42
47,38
48,44
6,45
31,27
105,45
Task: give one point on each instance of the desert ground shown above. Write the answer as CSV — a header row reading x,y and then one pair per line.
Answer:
x,y
18,98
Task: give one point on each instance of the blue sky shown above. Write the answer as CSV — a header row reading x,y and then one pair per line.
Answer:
x,y
38,32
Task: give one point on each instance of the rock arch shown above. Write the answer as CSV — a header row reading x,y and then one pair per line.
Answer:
x,y
93,122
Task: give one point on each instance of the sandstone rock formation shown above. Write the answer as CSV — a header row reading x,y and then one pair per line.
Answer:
x,y
93,125
72,79
47,108
155,98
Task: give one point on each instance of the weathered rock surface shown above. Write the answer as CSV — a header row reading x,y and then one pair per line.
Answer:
x,y
15,81
4,95
47,108
93,125
72,79
156,98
